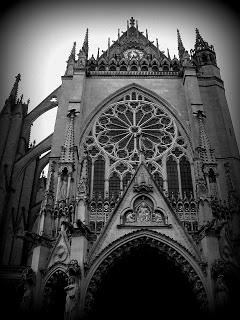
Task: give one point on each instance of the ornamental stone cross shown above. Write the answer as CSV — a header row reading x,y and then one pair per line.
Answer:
x,y
132,22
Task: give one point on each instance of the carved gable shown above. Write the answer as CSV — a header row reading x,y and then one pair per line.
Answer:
x,y
143,206
132,44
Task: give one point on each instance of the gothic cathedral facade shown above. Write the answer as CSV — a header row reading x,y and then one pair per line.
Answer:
x,y
142,191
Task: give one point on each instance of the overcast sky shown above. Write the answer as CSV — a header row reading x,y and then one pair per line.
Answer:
x,y
36,39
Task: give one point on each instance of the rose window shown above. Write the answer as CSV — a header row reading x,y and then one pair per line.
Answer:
x,y
126,128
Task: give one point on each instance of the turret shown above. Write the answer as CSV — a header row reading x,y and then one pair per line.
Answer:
x,y
203,53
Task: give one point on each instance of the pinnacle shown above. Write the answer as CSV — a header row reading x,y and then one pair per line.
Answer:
x,y
198,36
199,39
181,48
73,52
14,91
67,154
85,43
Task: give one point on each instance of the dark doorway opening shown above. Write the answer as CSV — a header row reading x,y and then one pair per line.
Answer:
x,y
145,285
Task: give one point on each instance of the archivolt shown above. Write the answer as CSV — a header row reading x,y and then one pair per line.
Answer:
x,y
165,246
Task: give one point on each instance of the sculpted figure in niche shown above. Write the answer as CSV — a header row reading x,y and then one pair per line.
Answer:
x,y
143,212
130,217
63,187
72,299
157,217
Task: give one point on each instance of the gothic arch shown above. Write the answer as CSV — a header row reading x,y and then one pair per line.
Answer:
x,y
117,118
152,96
57,267
53,293
166,246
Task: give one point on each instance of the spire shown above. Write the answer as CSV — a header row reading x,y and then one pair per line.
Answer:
x,y
83,54
98,54
85,44
71,60
199,44
14,91
168,54
181,48
146,33
67,153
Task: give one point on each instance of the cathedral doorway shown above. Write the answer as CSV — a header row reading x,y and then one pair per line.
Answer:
x,y
143,284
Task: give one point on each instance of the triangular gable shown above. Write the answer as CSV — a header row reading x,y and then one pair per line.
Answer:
x,y
60,251
143,206
132,38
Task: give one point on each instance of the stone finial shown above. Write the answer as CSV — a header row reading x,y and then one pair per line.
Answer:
x,y
168,54
14,91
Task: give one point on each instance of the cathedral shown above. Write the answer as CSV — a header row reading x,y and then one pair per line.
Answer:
x,y
141,202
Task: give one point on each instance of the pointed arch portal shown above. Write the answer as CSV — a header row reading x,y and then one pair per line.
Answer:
x,y
144,278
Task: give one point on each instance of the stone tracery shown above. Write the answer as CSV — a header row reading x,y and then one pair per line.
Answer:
x,y
119,128
128,131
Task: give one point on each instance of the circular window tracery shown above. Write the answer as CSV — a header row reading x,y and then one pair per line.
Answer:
x,y
129,126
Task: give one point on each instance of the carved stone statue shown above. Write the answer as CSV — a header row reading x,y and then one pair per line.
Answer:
x,y
157,217
63,187
72,299
130,217
143,212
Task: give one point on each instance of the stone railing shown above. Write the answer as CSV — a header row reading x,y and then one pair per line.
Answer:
x,y
100,210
